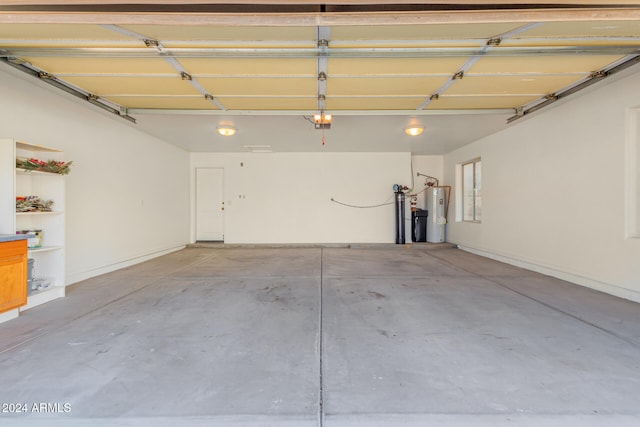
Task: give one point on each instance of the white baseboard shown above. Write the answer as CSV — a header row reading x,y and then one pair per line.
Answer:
x,y
39,298
9,315
563,275
88,274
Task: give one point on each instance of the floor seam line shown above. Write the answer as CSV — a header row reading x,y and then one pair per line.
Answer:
x,y
21,343
58,327
573,316
321,347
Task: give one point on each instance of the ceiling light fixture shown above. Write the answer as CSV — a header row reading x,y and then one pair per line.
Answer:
x,y
322,121
413,130
227,130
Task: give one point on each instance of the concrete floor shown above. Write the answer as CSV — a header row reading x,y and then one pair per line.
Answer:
x,y
363,336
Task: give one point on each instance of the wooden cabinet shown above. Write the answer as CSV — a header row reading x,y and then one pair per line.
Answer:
x,y
13,275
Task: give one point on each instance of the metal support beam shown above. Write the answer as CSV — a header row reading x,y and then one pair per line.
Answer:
x,y
162,51
160,111
408,52
490,43
45,77
322,37
570,90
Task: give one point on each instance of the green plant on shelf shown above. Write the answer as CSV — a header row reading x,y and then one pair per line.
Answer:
x,y
33,204
51,166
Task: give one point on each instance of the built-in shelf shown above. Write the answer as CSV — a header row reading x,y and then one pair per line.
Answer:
x,y
40,297
34,294
45,249
34,172
48,260
39,213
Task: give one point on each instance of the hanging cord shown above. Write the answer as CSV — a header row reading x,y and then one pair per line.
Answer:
x,y
413,181
310,120
386,203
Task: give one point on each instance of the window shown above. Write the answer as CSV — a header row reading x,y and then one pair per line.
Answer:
x,y
472,191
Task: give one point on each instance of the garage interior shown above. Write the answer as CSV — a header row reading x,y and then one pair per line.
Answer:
x,y
299,305
336,336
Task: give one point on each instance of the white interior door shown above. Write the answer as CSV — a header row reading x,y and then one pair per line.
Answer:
x,y
209,204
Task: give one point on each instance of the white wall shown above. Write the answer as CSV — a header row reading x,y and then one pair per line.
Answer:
x,y
554,191
287,196
127,195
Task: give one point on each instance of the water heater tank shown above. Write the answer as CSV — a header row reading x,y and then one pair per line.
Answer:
x,y
436,203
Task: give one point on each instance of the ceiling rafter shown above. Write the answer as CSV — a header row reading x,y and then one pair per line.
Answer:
x,y
308,2
522,15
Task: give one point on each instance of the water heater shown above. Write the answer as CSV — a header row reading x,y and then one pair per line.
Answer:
x,y
436,204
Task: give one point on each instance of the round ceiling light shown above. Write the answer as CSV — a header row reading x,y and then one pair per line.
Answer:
x,y
227,130
413,130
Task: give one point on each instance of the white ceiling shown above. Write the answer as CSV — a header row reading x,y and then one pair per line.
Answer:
x,y
347,134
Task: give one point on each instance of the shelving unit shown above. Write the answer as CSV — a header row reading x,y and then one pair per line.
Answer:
x,y
49,261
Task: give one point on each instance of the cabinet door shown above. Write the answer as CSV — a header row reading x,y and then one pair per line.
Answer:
x,y
13,275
